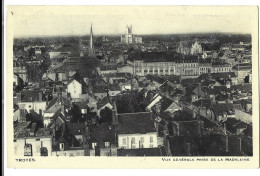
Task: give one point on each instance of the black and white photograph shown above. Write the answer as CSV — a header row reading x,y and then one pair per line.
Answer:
x,y
141,81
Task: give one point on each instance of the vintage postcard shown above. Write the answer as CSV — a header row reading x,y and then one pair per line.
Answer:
x,y
150,86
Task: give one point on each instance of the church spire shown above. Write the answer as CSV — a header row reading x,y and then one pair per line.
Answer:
x,y
91,46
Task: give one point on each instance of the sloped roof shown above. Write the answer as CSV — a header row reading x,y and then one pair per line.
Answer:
x,y
219,109
103,102
133,123
102,133
31,95
65,101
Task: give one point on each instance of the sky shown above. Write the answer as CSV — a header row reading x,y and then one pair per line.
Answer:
x,y
76,20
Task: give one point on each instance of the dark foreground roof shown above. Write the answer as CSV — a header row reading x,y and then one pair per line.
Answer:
x,y
132,123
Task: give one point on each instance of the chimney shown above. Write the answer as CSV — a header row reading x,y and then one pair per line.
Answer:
x,y
40,112
19,97
114,115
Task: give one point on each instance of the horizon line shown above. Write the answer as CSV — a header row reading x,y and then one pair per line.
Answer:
x,y
82,35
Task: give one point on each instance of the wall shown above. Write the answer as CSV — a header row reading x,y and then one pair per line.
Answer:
x,y
36,144
137,137
75,89
36,106
78,152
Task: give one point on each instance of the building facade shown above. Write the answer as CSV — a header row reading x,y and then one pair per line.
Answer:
x,y
129,37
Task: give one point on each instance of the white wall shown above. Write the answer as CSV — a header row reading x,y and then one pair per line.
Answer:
x,y
75,89
137,137
20,142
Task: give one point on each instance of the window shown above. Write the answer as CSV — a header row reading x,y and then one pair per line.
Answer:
x,y
151,139
133,140
124,141
61,146
107,144
151,145
142,139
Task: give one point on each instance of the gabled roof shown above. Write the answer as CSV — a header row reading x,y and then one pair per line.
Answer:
x,y
103,102
65,101
82,105
134,123
165,103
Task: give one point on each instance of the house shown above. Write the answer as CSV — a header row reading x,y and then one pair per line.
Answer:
x,y
99,92
32,140
102,104
136,130
165,105
31,100
92,103
221,112
114,90
235,126
20,69
103,140
74,87
56,104
19,115
65,142
77,130
108,69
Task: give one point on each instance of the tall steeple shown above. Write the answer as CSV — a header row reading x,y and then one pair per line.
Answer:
x,y
91,46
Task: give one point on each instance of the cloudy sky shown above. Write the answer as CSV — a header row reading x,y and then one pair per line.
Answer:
x,y
76,20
